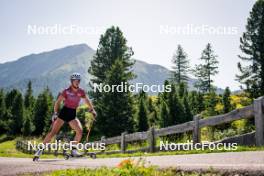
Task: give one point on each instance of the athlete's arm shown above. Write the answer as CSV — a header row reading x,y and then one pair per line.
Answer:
x,y
58,103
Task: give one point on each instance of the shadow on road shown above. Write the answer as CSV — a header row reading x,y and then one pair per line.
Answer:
x,y
49,160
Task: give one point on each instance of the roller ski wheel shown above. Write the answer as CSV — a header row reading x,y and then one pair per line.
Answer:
x,y
67,156
92,155
36,158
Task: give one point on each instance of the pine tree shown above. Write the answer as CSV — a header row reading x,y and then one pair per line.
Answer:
x,y
118,106
29,98
14,112
252,45
142,115
176,110
182,90
174,105
28,127
200,102
3,127
164,115
17,111
171,100
192,98
205,71
210,103
10,98
50,105
29,102
153,114
112,46
165,95
43,112
227,100
111,66
188,116
39,118
2,104
180,67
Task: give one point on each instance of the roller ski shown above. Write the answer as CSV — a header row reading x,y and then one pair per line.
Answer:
x,y
37,155
91,155
75,154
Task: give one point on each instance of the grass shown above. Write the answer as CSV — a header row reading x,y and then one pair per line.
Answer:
x,y
8,149
161,153
102,171
127,167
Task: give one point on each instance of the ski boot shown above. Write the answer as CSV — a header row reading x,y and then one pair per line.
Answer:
x,y
74,154
37,155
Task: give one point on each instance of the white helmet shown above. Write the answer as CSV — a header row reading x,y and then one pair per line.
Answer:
x,y
76,76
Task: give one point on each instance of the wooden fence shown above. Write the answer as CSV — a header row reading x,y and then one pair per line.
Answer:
x,y
255,111
25,148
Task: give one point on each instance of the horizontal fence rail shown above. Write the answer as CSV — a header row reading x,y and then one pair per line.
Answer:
x,y
181,128
24,147
243,113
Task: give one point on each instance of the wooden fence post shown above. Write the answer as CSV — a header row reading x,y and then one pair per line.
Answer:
x,y
196,130
123,142
102,141
49,149
151,140
23,147
259,121
17,145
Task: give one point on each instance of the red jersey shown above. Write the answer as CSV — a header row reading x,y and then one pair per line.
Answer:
x,y
72,98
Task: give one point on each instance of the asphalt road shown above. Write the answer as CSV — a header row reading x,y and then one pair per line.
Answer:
x,y
251,162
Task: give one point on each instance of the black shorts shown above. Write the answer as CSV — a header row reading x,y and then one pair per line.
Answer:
x,y
67,114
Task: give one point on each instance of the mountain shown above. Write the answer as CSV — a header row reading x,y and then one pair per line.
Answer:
x,y
53,68
47,69
151,74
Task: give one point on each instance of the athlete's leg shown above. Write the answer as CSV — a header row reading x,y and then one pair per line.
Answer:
x,y
77,127
57,124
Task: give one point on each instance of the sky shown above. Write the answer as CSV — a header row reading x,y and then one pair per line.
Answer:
x,y
153,28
